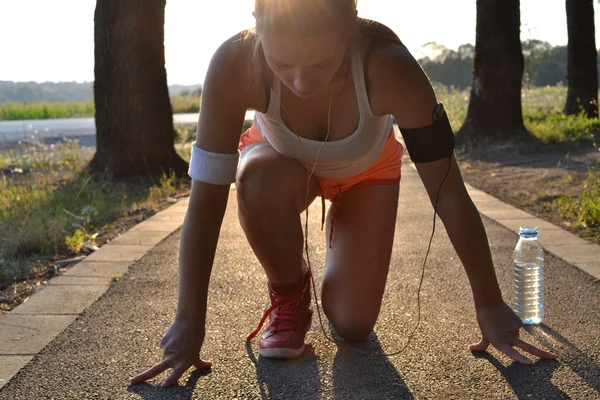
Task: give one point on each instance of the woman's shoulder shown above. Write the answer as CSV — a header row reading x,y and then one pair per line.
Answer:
x,y
381,47
382,34
235,60
391,70
234,53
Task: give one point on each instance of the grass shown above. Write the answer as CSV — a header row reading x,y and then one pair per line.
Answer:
x,y
455,102
542,114
557,128
19,111
584,210
50,208
24,111
185,104
54,208
544,119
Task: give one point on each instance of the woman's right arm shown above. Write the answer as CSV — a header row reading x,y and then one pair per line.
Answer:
x,y
225,99
224,104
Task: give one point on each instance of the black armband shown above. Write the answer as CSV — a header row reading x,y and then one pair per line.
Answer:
x,y
433,142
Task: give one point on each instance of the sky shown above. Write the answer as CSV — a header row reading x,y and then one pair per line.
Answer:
x,y
53,40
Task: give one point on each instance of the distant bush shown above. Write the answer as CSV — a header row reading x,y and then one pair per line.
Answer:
x,y
183,103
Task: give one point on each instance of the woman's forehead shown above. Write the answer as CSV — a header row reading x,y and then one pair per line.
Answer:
x,y
296,50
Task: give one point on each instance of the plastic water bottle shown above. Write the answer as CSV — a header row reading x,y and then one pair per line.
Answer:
x,y
529,277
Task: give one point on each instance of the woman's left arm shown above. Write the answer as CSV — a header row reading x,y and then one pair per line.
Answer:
x,y
401,88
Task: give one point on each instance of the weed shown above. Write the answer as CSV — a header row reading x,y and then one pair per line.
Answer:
x,y
584,209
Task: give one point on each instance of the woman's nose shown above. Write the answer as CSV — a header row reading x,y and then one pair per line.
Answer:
x,y
303,85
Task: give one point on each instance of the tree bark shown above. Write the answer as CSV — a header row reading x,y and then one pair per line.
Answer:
x,y
582,70
134,121
495,104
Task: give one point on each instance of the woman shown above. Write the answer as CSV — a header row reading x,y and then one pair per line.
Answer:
x,y
325,85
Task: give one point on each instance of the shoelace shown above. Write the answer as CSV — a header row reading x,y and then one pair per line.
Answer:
x,y
286,318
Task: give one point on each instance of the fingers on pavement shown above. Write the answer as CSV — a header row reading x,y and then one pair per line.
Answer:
x,y
201,364
150,373
481,346
513,353
532,349
174,376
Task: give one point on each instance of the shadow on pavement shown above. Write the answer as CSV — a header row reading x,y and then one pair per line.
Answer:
x,y
287,379
535,381
578,361
148,391
529,381
359,376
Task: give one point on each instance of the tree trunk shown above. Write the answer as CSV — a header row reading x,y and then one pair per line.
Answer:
x,y
134,121
495,105
582,70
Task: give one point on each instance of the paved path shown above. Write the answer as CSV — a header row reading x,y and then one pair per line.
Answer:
x,y
118,335
12,131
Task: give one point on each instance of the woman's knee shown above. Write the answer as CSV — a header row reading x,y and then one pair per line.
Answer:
x,y
257,169
259,177
350,324
265,175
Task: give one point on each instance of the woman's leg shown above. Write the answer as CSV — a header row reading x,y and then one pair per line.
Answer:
x,y
357,263
271,193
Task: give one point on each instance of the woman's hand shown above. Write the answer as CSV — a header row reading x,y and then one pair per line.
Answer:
x,y
181,347
500,327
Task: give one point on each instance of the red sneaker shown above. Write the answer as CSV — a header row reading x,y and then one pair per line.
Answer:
x,y
290,317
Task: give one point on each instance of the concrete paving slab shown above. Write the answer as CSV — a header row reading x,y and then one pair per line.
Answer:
x,y
119,252
141,237
178,208
559,237
514,224
29,334
61,299
10,365
507,213
487,205
105,269
168,216
157,226
79,280
575,254
184,201
592,268
563,244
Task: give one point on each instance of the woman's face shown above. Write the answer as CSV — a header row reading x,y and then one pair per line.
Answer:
x,y
306,65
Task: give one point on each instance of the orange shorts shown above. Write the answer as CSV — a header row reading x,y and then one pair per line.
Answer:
x,y
385,170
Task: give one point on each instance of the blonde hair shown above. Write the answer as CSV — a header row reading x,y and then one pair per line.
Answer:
x,y
305,17
309,17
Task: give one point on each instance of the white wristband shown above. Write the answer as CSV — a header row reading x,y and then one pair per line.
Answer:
x,y
214,168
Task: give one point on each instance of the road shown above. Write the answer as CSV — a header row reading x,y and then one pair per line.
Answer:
x,y
119,335
13,131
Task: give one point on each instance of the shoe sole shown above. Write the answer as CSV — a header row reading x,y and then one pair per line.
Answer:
x,y
281,352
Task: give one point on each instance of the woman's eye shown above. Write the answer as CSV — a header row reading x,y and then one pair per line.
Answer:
x,y
323,65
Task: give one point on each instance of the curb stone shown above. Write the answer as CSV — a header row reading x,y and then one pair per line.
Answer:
x,y
29,327
576,251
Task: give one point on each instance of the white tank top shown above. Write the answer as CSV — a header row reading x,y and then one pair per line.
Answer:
x,y
338,159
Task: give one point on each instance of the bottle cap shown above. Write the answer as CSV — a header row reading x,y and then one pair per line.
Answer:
x,y
528,231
